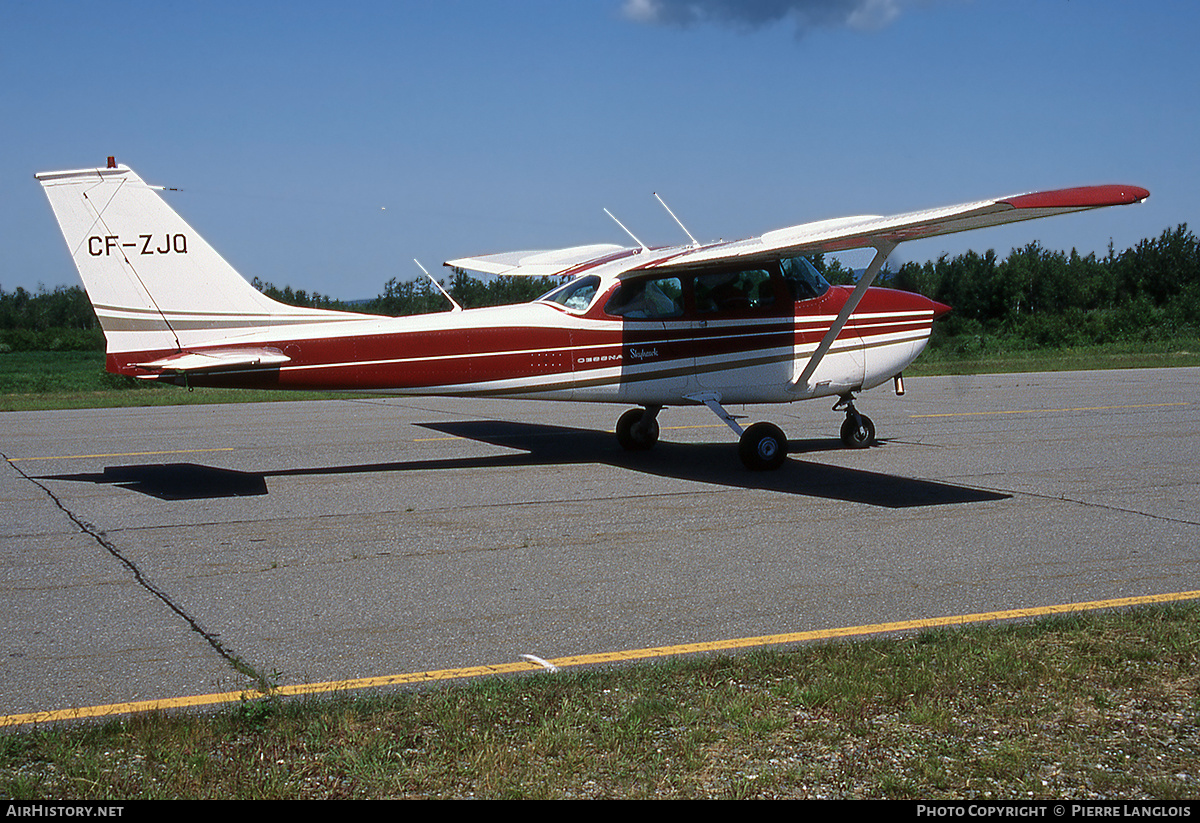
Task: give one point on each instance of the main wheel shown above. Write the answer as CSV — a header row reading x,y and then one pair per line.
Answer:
x,y
633,437
855,436
763,447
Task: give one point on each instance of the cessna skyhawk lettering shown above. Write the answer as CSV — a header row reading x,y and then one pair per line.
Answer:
x,y
748,321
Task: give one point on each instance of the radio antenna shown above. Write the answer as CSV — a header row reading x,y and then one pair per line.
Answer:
x,y
695,243
627,231
439,286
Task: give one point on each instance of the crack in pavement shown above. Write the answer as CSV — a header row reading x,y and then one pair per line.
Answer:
x,y
1062,498
233,659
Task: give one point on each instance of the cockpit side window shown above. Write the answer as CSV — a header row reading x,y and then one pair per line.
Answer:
x,y
576,295
803,281
654,298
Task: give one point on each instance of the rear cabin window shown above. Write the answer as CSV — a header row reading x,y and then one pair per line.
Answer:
x,y
734,291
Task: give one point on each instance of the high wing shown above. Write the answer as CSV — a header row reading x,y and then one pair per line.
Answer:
x,y
823,236
873,231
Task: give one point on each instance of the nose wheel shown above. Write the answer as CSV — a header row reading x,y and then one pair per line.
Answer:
x,y
858,432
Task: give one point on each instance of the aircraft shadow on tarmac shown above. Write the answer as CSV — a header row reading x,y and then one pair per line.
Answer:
x,y
541,445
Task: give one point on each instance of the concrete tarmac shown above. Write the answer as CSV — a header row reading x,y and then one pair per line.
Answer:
x,y
144,551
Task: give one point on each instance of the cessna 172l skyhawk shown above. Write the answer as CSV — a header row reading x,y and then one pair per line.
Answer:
x,y
748,321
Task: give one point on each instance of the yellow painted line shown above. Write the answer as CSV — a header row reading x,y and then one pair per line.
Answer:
x,y
111,709
1043,411
116,454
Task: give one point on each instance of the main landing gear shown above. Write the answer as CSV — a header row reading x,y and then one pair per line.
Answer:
x,y
761,447
637,429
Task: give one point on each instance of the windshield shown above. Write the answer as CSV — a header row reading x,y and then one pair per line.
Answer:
x,y
803,280
576,295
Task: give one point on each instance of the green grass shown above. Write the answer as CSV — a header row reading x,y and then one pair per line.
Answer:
x,y
31,381
1083,706
1111,356
75,380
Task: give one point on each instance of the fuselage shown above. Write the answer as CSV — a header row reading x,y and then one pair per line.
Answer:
x,y
738,333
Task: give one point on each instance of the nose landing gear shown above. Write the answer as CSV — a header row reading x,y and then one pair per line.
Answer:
x,y
858,432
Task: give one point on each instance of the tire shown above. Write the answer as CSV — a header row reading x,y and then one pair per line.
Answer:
x,y
639,441
856,437
763,447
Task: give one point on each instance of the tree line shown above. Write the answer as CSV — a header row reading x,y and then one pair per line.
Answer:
x,y
59,320
1038,298
1032,298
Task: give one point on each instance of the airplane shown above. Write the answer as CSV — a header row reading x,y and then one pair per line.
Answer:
x,y
730,322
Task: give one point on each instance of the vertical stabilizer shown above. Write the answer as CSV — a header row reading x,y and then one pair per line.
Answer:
x,y
155,284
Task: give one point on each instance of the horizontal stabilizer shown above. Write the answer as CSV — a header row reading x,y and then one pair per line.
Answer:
x,y
211,361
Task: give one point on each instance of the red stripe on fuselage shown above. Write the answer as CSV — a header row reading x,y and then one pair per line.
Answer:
x,y
430,358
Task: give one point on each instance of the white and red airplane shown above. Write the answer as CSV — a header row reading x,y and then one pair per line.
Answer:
x,y
748,321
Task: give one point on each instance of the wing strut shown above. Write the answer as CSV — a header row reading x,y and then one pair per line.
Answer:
x,y
882,249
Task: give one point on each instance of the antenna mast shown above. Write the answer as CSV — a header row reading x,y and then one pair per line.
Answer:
x,y
695,243
627,231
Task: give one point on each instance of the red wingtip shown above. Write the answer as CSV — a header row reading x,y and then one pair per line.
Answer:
x,y
940,309
1084,197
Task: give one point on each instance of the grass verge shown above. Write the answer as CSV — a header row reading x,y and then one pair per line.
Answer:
x,y
31,381
1097,705
1112,356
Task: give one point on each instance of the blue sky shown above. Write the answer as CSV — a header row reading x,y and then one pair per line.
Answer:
x,y
324,146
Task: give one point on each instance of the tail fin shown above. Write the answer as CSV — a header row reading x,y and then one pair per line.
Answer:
x,y
155,284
